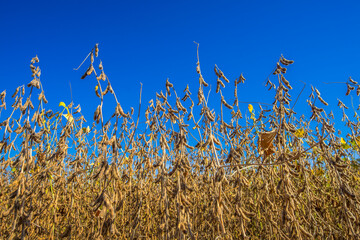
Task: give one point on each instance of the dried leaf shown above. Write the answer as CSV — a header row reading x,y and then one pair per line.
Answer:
x,y
265,142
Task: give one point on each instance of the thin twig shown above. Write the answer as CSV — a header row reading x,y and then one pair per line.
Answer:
x,y
299,95
83,61
332,82
136,126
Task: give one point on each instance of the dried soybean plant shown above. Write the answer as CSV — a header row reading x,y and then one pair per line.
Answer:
x,y
186,173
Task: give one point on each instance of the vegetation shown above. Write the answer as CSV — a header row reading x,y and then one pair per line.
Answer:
x,y
190,173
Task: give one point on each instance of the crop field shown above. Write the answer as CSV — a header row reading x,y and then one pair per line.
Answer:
x,y
187,171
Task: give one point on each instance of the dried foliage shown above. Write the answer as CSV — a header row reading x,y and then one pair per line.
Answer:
x,y
189,174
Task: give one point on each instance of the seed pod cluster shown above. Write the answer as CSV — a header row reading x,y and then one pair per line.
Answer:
x,y
352,81
200,95
272,85
34,83
240,80
279,69
42,97
286,82
88,72
349,89
341,104
218,84
96,50
202,81
168,85
119,111
319,97
225,103
285,61
102,76
220,74
179,106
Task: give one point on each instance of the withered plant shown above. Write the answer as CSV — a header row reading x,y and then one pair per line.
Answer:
x,y
187,173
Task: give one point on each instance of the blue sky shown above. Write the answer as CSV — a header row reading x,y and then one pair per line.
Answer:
x,y
150,41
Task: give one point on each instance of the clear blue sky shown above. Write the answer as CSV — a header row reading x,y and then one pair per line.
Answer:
x,y
149,41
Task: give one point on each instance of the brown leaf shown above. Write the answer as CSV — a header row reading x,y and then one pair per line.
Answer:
x,y
265,142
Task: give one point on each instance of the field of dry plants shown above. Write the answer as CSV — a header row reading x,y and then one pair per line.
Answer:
x,y
190,173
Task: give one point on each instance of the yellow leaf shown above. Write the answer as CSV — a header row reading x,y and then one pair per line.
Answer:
x,y
344,145
253,117
250,107
62,104
68,117
299,133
